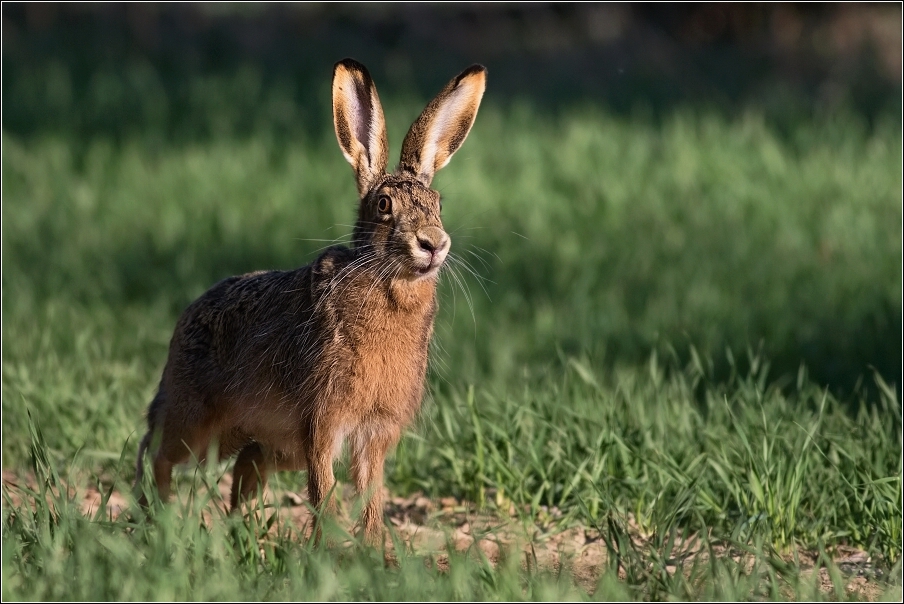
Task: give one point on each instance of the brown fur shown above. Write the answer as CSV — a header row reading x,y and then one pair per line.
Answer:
x,y
282,367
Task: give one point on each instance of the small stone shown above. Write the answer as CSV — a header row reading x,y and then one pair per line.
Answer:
x,y
292,499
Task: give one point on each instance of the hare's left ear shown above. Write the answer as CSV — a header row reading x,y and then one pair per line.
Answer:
x,y
359,123
443,126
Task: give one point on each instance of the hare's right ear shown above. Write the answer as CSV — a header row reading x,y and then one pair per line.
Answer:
x,y
360,127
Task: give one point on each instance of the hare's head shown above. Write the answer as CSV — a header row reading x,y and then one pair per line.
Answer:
x,y
399,215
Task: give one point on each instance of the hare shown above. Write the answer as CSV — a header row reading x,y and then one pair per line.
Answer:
x,y
282,367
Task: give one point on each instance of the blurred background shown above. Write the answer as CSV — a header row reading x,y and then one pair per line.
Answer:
x,y
123,68
702,181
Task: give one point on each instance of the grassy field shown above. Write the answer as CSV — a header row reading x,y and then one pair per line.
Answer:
x,y
663,331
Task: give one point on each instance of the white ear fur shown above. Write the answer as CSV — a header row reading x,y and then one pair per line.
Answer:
x,y
455,109
443,126
359,123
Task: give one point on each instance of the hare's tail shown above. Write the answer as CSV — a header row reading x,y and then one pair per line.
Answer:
x,y
139,465
156,404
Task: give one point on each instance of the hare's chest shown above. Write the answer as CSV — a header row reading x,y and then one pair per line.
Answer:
x,y
388,366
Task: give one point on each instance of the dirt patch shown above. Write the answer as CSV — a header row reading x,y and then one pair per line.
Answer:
x,y
541,541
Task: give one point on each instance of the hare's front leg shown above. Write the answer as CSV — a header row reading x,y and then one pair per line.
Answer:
x,y
326,444
369,448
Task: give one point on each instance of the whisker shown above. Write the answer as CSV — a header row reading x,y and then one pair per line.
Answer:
x,y
486,264
335,240
384,270
466,293
463,264
486,251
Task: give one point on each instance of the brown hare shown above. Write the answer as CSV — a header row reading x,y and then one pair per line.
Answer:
x,y
282,367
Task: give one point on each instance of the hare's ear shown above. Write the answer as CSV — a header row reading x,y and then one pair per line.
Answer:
x,y
360,127
442,127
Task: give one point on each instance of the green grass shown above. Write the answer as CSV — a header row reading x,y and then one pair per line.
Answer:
x,y
687,327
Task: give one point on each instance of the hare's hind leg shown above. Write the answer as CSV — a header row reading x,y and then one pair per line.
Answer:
x,y
369,448
186,432
251,470
162,473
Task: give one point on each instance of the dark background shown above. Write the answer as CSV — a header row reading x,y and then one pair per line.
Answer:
x,y
103,62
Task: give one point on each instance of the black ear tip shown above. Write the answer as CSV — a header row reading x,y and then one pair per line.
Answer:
x,y
472,70
350,64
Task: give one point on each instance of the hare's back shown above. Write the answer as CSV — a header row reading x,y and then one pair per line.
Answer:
x,y
232,337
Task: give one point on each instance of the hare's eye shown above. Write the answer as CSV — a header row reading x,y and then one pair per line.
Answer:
x,y
384,204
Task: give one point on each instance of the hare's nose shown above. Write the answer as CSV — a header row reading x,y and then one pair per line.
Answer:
x,y
433,240
426,244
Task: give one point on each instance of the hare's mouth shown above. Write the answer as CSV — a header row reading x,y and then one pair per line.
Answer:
x,y
428,270
424,265
428,255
